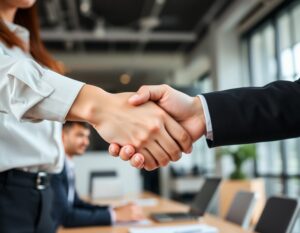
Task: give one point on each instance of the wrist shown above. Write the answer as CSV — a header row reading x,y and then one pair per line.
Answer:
x,y
89,105
198,112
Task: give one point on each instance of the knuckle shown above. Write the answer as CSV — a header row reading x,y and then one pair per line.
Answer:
x,y
177,157
143,88
165,86
184,137
164,161
143,137
155,126
137,144
161,114
140,141
150,167
175,154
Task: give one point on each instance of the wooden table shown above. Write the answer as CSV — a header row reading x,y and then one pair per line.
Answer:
x,y
163,205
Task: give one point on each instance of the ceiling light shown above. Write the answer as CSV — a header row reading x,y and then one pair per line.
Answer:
x,y
160,2
125,79
85,7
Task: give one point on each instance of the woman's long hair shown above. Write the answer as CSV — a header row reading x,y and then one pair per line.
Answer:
x,y
28,18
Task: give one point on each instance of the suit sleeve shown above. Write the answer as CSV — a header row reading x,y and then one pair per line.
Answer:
x,y
80,217
80,213
79,203
85,214
255,114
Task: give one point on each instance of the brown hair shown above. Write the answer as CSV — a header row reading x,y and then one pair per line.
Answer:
x,y
69,124
28,18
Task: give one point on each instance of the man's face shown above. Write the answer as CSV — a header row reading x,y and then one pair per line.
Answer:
x,y
76,139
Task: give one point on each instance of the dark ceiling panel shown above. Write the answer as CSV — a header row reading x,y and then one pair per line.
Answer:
x,y
175,16
119,12
168,47
183,15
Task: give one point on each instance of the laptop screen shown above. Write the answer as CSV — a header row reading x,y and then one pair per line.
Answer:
x,y
204,196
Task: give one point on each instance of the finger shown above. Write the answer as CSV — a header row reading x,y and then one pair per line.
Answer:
x,y
127,152
159,154
137,161
150,163
179,135
146,93
170,146
114,149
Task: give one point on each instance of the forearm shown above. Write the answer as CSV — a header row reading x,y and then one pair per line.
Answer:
x,y
80,217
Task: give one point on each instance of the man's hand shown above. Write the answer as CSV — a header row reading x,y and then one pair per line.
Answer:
x,y
129,213
184,109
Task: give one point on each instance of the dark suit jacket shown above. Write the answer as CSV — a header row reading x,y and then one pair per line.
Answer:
x,y
255,114
80,213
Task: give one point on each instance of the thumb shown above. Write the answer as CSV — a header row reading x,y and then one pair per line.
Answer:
x,y
148,93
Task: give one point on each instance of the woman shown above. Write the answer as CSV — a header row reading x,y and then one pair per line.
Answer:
x,y
34,98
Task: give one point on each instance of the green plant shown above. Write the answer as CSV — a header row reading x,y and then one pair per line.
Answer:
x,y
239,156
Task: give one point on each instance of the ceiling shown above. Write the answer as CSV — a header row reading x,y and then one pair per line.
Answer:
x,y
127,25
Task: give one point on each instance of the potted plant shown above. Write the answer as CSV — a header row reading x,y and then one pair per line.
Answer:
x,y
238,180
239,156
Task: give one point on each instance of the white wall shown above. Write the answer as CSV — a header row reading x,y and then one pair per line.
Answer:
x,y
101,161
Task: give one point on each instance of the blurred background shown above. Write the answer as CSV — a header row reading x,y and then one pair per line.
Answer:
x,y
193,45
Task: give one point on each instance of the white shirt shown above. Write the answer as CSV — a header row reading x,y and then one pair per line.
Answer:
x,y
70,168
209,129
30,96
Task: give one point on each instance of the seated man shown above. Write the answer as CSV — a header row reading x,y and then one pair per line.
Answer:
x,y
68,209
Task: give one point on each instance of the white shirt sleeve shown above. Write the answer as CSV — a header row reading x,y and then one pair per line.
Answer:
x,y
113,214
209,129
30,92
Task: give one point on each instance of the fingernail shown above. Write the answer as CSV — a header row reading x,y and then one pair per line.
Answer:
x,y
128,151
112,150
138,160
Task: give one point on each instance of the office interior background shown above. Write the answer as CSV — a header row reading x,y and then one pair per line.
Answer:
x,y
193,45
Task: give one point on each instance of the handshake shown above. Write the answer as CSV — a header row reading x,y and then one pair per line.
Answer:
x,y
153,126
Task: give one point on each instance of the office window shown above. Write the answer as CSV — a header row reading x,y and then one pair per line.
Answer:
x,y
285,47
268,159
244,64
263,60
274,54
292,149
297,58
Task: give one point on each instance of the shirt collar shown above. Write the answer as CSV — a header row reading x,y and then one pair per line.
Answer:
x,y
20,31
69,162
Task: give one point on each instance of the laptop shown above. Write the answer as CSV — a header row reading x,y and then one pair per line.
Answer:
x,y
198,206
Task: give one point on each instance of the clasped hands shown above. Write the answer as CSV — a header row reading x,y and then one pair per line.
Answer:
x,y
165,123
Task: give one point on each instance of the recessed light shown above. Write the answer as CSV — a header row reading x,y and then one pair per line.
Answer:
x,y
125,79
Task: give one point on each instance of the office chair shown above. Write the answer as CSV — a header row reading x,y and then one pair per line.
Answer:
x,y
241,209
278,215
